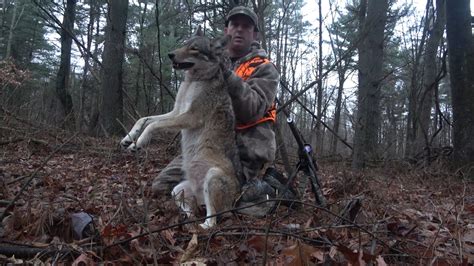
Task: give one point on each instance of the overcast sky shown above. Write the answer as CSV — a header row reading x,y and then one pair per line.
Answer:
x,y
311,8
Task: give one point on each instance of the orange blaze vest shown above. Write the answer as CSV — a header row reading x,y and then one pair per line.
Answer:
x,y
244,71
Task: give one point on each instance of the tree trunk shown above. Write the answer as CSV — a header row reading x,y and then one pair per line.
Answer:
x,y
85,83
62,79
96,93
111,113
414,90
461,69
342,68
370,75
319,107
259,8
282,148
429,77
337,111
12,28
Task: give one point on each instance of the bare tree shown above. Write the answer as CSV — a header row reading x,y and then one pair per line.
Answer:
x,y
111,112
94,13
62,78
370,76
415,86
430,72
13,24
461,69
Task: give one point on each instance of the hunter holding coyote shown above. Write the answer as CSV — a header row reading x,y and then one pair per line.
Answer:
x,y
254,82
225,111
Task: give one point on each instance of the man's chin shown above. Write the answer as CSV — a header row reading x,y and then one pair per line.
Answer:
x,y
239,43
240,46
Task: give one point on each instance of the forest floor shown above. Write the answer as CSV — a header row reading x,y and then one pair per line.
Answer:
x,y
56,182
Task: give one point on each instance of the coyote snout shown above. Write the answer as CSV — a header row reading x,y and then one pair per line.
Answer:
x,y
180,65
203,112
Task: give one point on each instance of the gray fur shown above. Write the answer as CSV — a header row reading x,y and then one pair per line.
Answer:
x,y
204,114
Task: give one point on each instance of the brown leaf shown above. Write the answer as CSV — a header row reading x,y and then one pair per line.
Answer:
x,y
308,223
318,254
332,252
302,254
84,259
292,255
355,257
191,249
169,235
351,256
380,261
257,243
146,252
114,231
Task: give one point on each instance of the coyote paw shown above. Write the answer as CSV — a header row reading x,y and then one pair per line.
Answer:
x,y
206,225
126,142
134,147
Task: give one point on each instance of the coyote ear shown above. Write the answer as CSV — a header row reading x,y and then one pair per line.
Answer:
x,y
221,42
199,32
225,40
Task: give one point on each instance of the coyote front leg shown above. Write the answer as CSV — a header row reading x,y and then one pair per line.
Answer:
x,y
169,120
139,127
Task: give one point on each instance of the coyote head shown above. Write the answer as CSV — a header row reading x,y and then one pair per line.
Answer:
x,y
200,53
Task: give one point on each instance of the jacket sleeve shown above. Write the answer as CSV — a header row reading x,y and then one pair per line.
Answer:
x,y
252,98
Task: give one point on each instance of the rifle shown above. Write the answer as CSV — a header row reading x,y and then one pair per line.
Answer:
x,y
306,163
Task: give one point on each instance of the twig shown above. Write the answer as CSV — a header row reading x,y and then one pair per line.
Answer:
x,y
251,205
373,244
150,68
13,140
351,210
120,207
458,218
17,118
16,180
314,116
436,236
274,233
394,245
4,202
24,251
34,175
265,252
82,48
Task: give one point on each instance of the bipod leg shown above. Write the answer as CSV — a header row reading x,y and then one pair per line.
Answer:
x,y
316,187
291,179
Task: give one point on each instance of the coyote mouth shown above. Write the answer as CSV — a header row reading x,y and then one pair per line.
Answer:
x,y
184,65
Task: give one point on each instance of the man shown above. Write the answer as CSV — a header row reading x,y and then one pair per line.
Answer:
x,y
252,86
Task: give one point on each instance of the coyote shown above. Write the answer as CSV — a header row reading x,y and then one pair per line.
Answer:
x,y
204,114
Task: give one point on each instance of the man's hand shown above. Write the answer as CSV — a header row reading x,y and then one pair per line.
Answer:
x,y
234,82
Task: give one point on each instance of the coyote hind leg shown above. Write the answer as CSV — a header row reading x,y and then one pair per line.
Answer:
x,y
184,197
218,194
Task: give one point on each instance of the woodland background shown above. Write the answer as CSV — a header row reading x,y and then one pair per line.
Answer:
x,y
382,90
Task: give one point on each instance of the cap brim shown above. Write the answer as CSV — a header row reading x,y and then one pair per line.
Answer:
x,y
242,14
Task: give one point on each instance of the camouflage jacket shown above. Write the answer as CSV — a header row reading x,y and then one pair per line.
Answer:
x,y
251,100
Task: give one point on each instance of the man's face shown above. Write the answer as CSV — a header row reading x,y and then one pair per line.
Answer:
x,y
241,29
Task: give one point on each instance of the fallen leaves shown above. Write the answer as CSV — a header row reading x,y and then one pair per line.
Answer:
x,y
416,222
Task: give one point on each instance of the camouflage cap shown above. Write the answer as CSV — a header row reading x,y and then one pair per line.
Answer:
x,y
242,10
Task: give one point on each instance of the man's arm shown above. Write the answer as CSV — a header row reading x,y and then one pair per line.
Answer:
x,y
252,98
